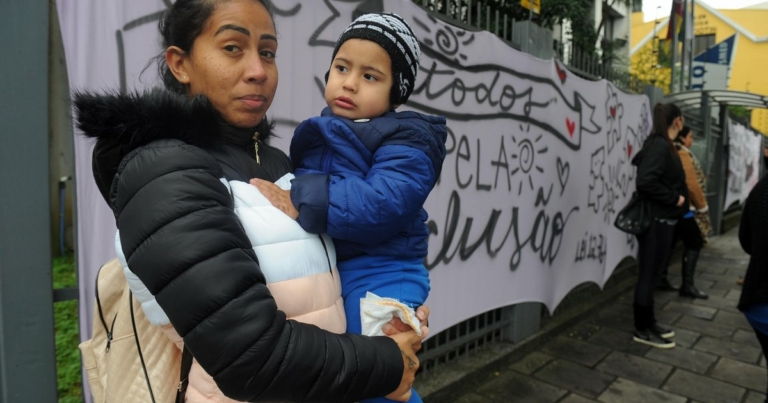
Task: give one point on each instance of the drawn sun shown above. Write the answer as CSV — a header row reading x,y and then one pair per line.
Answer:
x,y
526,157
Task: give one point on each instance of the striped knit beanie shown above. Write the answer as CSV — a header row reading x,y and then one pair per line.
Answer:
x,y
393,34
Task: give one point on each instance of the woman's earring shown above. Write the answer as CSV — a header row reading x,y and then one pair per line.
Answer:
x,y
184,77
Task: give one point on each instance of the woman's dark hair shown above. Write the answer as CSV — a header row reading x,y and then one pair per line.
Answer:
x,y
663,116
180,25
684,132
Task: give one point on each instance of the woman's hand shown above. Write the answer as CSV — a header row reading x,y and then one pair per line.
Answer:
x,y
405,342
278,197
680,201
396,325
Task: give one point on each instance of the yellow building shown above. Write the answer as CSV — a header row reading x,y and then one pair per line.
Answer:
x,y
749,70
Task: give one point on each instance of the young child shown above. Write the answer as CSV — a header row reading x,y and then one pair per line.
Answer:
x,y
364,171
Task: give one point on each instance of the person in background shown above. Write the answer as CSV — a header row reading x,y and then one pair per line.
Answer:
x,y
660,183
753,236
174,166
694,225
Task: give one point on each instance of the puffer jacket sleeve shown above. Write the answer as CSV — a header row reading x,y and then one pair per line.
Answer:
x,y
386,199
181,237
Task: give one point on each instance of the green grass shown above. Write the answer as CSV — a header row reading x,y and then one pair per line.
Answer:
x,y
65,314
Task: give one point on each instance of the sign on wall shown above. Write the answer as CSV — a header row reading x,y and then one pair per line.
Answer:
x,y
712,68
538,159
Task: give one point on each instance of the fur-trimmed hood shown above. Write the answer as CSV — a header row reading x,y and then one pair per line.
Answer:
x,y
124,122
136,119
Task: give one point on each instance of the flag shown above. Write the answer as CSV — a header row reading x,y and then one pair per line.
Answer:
x,y
676,20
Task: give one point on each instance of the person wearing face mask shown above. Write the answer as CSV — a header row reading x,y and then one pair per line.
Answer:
x,y
661,184
174,165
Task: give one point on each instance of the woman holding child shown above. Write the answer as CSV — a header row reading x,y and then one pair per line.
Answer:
x,y
174,165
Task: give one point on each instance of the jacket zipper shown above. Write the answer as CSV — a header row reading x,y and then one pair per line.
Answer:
x,y
327,256
256,146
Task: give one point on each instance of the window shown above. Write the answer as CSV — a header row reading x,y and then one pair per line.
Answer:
x,y
637,6
702,43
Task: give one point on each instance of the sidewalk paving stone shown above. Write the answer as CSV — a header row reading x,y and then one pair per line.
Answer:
x,y
702,312
692,360
618,340
626,391
512,386
702,388
618,322
746,337
740,373
733,295
576,378
754,397
582,331
703,284
473,398
728,348
634,368
574,398
705,327
575,350
714,268
737,320
739,270
531,362
713,293
667,317
723,285
719,277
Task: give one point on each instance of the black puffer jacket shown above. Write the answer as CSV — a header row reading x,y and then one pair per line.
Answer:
x,y
159,160
661,178
753,236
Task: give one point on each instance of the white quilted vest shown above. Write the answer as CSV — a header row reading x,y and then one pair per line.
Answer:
x,y
305,284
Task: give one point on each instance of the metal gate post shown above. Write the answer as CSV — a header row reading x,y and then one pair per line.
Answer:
x,y
722,171
27,351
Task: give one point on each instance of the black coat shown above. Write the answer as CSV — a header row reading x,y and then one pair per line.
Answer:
x,y
661,179
159,161
753,236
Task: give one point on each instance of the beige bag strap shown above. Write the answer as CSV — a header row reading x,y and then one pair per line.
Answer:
x,y
138,346
107,329
186,360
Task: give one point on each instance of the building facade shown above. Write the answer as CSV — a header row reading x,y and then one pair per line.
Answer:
x,y
750,51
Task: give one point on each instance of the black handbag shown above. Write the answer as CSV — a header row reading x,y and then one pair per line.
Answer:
x,y
635,217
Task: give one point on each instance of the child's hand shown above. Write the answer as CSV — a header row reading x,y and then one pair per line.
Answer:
x,y
278,197
396,326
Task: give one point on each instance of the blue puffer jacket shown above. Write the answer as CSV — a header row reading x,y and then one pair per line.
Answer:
x,y
364,183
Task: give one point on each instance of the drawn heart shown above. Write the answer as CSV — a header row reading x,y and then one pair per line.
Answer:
x,y
629,149
613,112
560,73
571,125
563,172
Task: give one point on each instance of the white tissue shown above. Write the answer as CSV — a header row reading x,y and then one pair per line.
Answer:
x,y
376,311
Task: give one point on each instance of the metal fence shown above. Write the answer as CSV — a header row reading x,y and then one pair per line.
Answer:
x,y
529,37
